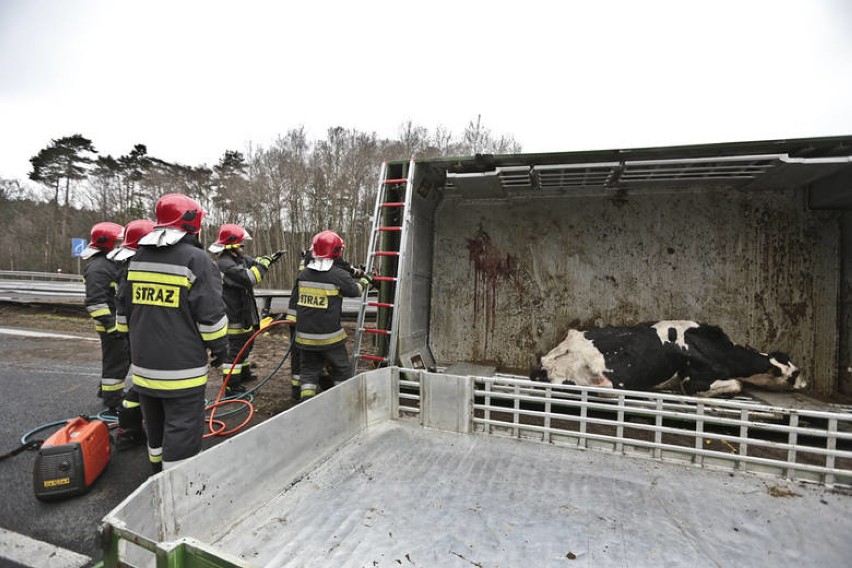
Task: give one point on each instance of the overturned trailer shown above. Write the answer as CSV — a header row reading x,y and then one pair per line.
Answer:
x,y
446,456
498,256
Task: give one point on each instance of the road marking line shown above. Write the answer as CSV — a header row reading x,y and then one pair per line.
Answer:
x,y
28,333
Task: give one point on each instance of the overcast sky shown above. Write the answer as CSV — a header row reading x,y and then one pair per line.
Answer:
x,y
191,79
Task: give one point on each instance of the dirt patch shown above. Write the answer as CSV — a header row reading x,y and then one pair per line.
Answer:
x,y
57,319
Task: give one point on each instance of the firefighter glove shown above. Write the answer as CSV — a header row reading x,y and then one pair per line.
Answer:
x,y
367,281
264,261
277,255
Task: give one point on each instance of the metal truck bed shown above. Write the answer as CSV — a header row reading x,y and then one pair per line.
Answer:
x,y
397,468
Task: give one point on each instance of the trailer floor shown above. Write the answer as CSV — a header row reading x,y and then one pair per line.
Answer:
x,y
401,495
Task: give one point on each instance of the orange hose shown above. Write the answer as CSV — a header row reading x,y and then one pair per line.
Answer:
x,y
217,427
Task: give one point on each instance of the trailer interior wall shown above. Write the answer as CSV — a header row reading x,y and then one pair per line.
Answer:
x,y
510,276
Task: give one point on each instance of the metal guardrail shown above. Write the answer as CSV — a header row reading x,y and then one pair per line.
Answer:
x,y
276,301
722,434
68,290
29,275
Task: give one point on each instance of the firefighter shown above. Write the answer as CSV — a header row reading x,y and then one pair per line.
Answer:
x,y
99,277
130,430
172,308
295,355
240,274
317,302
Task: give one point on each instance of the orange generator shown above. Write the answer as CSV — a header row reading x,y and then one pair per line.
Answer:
x,y
71,459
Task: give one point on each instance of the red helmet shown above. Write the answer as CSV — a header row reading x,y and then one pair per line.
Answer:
x,y
327,244
177,211
104,235
231,235
134,231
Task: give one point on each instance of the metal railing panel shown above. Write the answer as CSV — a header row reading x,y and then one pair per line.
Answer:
x,y
733,435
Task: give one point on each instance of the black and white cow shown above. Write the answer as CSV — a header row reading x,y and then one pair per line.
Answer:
x,y
649,355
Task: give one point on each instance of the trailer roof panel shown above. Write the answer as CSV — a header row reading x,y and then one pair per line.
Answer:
x,y
823,165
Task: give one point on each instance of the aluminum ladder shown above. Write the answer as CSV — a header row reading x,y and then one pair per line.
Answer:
x,y
388,239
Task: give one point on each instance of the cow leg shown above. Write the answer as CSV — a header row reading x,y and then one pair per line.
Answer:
x,y
726,387
669,385
539,373
767,381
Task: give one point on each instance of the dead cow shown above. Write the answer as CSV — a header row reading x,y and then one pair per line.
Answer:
x,y
643,357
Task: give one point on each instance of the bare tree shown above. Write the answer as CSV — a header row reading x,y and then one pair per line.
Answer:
x,y
234,204
133,167
61,165
105,183
477,139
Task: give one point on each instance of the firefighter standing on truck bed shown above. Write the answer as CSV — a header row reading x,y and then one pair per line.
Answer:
x,y
240,274
99,277
317,300
173,310
130,431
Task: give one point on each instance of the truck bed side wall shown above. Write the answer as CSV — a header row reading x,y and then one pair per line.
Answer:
x,y
202,498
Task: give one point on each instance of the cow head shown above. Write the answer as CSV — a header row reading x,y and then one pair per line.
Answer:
x,y
539,373
786,373
575,361
779,374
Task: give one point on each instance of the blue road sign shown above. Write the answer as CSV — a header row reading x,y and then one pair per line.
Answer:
x,y
77,247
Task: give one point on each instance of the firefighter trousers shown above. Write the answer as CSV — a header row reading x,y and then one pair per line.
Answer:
x,y
236,343
313,363
115,362
175,426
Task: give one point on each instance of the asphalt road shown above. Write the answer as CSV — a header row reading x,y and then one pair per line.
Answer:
x,y
47,380
41,386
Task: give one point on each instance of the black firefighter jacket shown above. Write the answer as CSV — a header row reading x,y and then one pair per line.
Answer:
x,y
172,307
240,274
100,276
317,301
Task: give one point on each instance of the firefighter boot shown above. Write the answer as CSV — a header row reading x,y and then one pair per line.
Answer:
x,y
130,432
307,391
234,379
296,383
246,374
